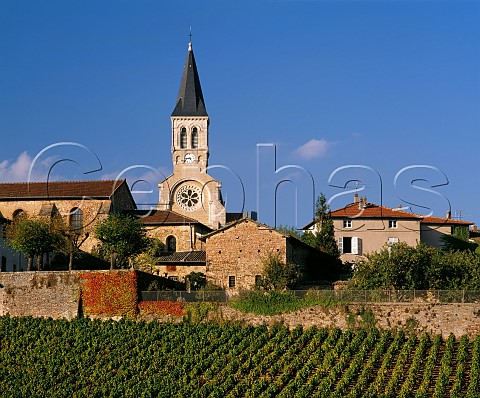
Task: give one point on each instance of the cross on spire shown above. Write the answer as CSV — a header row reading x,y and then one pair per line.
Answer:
x,y
190,42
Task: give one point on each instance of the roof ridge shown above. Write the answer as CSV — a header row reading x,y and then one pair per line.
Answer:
x,y
57,182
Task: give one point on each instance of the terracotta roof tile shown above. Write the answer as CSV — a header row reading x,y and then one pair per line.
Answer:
x,y
375,211
61,189
440,220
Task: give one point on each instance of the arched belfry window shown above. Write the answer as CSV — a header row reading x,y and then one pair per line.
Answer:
x,y
76,220
171,244
194,138
183,138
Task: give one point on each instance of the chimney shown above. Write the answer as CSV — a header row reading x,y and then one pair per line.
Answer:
x,y
362,203
355,198
449,215
474,227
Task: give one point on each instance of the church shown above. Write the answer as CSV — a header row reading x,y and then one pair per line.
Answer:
x,y
190,210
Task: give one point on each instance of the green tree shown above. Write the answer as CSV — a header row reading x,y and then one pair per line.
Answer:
x,y
458,240
401,266
122,237
310,239
398,266
289,230
277,274
33,237
325,234
149,257
67,239
196,280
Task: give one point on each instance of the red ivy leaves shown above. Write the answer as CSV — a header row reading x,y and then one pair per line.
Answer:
x,y
161,308
110,293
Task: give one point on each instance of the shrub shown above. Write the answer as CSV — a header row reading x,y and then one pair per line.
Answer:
x,y
278,274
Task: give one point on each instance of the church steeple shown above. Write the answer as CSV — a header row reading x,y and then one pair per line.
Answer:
x,y
190,98
190,190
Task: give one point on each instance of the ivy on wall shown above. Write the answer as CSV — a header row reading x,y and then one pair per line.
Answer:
x,y
161,308
110,293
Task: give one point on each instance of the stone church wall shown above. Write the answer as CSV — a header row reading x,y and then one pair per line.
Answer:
x,y
182,233
93,212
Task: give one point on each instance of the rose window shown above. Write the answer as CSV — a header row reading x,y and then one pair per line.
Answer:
x,y
188,197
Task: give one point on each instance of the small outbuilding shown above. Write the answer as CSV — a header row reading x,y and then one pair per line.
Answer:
x,y
235,254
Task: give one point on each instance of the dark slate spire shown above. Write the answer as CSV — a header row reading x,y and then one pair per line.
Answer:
x,y
190,98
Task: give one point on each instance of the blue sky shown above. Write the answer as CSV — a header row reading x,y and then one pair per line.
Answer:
x,y
363,90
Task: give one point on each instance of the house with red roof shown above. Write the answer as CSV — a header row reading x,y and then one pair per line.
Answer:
x,y
362,227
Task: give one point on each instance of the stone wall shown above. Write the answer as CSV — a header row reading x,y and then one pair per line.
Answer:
x,y
40,294
179,271
444,319
239,250
186,236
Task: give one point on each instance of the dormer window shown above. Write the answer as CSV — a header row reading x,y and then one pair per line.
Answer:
x,y
183,138
194,138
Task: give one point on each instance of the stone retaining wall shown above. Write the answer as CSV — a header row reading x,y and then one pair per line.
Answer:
x,y
458,319
40,294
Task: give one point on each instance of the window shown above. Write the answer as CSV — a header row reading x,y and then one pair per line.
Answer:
x,y
173,278
4,264
76,220
350,245
258,280
231,281
183,138
171,244
392,224
17,214
391,242
194,138
347,223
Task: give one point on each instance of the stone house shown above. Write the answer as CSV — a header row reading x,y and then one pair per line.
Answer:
x,y
80,203
363,227
235,254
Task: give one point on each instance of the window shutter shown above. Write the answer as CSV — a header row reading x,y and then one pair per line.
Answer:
x,y
340,244
356,245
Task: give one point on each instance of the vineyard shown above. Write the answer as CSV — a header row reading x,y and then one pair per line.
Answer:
x,y
85,358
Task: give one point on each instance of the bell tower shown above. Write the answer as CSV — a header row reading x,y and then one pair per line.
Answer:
x,y
190,121
190,190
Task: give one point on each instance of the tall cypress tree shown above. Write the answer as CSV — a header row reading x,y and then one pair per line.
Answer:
x,y
325,235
